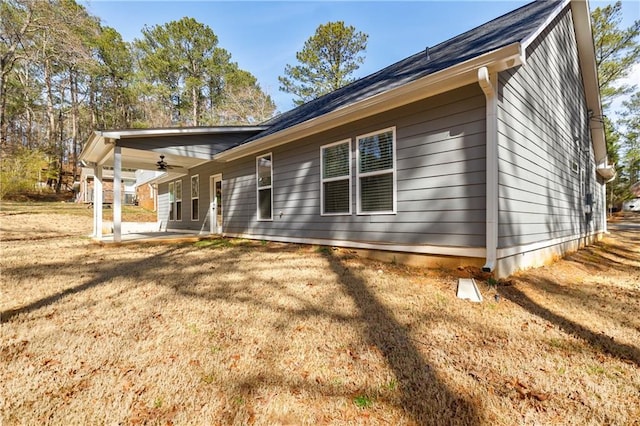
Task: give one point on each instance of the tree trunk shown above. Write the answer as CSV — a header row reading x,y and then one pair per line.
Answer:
x,y
3,106
73,80
61,156
51,119
7,62
92,105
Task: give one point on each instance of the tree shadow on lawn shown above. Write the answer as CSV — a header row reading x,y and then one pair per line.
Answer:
x,y
573,294
606,257
617,253
598,341
424,396
118,269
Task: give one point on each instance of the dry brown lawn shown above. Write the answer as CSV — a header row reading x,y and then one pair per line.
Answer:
x,y
239,332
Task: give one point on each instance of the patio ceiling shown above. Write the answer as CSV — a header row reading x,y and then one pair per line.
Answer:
x,y
183,148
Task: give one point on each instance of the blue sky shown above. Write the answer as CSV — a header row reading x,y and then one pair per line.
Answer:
x,y
264,36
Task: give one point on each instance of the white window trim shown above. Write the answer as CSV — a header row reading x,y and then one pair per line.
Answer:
x,y
323,180
377,172
175,207
170,191
258,187
575,167
195,198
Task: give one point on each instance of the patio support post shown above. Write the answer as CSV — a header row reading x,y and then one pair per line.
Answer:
x,y
117,194
97,201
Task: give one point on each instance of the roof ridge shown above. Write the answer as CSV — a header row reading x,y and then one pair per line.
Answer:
x,y
412,67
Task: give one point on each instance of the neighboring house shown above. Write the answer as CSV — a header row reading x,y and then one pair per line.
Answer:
x,y
488,147
86,186
633,205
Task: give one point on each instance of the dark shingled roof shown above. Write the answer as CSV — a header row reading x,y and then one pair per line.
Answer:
x,y
503,31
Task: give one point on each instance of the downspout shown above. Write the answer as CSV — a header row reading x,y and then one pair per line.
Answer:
x,y
605,229
488,85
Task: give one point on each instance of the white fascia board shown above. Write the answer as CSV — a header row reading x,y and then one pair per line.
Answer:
x,y
587,56
166,177
99,143
173,131
533,36
95,149
448,79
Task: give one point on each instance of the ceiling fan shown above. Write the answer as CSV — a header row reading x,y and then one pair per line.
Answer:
x,y
162,165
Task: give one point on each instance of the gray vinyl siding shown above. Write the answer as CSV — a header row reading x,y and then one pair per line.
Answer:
x,y
440,148
163,205
204,172
542,132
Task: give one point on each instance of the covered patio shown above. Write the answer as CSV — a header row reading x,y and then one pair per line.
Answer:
x,y
170,150
154,237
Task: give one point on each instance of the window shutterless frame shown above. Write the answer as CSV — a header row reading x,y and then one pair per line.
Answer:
x,y
172,196
335,179
376,170
195,197
178,203
264,187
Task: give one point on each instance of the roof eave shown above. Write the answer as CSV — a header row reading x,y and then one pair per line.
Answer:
x,y
178,131
586,50
439,82
100,142
95,149
166,177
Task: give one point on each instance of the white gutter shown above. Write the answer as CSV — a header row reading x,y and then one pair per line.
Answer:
x,y
488,84
607,171
173,131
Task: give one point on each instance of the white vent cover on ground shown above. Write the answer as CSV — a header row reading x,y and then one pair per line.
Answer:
x,y
467,289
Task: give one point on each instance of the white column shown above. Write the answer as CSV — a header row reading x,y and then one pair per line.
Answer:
x,y
97,201
117,194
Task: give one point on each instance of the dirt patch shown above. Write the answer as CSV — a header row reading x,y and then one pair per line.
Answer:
x,y
240,332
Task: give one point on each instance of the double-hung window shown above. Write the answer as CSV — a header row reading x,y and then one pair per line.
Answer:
x,y
195,195
264,180
376,172
172,199
178,208
335,189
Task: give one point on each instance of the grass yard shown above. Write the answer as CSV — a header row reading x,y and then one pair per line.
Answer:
x,y
240,332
